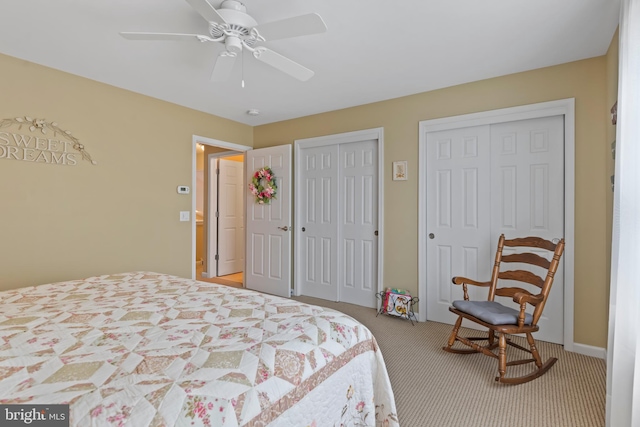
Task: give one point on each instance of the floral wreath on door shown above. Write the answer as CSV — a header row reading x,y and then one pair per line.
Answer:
x,y
263,185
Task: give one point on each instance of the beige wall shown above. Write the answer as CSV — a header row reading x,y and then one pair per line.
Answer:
x,y
586,81
65,222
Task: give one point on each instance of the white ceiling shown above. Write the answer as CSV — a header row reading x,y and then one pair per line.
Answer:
x,y
373,49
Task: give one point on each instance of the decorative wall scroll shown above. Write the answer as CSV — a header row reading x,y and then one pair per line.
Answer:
x,y
45,142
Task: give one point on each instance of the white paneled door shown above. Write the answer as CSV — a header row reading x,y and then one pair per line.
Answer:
x,y
230,217
458,206
268,236
527,198
484,181
338,221
359,222
319,222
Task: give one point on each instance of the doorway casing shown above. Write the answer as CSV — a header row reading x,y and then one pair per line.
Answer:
x,y
195,139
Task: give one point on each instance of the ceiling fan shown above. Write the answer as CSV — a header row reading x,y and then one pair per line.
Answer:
x,y
231,25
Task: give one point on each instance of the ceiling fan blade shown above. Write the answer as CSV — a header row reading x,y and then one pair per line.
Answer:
x,y
162,36
283,64
206,11
301,25
223,67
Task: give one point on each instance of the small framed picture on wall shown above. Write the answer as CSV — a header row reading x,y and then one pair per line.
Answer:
x,y
400,170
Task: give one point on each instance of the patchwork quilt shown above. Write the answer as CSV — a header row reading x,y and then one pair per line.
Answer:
x,y
148,349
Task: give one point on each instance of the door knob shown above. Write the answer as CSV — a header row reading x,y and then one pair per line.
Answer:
x,y
431,235
285,228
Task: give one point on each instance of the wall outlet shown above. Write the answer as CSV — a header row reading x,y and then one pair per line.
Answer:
x,y
185,215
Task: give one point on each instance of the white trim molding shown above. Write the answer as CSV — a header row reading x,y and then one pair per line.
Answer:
x,y
589,350
563,107
341,138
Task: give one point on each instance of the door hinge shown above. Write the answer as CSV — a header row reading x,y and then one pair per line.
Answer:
x,y
218,171
375,232
217,257
217,214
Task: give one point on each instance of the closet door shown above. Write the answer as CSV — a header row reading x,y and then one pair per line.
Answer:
x,y
359,222
458,216
319,225
487,180
527,199
338,222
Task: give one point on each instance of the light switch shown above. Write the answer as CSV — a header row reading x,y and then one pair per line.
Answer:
x,y
185,215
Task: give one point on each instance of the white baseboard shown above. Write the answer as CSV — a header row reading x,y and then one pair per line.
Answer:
x,y
205,275
589,350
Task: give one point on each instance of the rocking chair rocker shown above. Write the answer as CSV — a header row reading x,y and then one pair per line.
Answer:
x,y
504,320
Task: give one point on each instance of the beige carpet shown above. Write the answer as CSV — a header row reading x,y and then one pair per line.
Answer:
x,y
436,388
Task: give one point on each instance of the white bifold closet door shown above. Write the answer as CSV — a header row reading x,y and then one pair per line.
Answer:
x,y
339,212
527,199
483,181
320,223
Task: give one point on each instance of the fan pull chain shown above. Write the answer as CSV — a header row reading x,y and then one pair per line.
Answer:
x,y
242,53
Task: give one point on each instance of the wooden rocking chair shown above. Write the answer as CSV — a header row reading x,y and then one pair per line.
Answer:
x,y
505,320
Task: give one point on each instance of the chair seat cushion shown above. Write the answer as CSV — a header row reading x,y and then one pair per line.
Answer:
x,y
492,312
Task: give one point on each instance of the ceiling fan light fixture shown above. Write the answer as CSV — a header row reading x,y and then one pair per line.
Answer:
x,y
230,24
233,44
234,5
253,112
236,16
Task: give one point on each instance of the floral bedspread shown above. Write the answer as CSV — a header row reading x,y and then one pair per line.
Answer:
x,y
148,349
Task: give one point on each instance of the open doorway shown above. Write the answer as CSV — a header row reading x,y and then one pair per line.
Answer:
x,y
218,206
225,213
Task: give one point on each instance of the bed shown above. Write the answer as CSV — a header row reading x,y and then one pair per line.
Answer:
x,y
149,349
